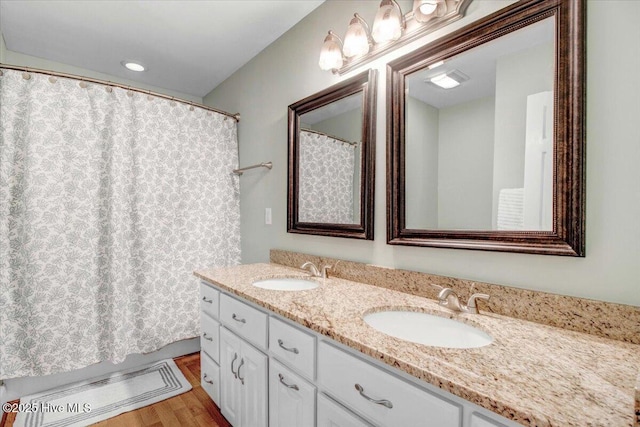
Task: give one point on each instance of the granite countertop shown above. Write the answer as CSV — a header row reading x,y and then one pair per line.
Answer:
x,y
534,374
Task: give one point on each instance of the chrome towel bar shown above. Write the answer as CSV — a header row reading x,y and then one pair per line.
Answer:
x,y
267,165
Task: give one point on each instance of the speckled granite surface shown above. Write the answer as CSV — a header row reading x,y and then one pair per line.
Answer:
x,y
534,374
616,321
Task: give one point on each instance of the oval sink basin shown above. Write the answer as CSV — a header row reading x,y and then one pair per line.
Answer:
x,y
423,328
286,284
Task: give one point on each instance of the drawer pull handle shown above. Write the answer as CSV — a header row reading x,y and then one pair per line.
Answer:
x,y
291,349
240,366
210,301
383,402
293,386
206,380
238,319
235,374
207,337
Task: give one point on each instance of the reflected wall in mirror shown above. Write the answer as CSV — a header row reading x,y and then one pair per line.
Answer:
x,y
485,135
331,157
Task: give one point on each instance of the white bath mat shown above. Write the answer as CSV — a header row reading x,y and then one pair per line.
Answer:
x,y
95,400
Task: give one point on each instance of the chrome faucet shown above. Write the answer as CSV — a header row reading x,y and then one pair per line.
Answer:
x,y
449,299
314,270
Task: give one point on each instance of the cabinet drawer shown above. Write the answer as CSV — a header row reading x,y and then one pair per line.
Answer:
x,y
292,400
210,336
210,377
479,420
357,384
209,300
330,414
293,347
244,320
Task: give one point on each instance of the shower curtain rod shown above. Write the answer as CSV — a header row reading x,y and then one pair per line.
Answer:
x,y
330,136
235,116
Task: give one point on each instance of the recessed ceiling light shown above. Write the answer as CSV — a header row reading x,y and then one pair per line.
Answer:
x,y
435,64
444,81
133,66
448,80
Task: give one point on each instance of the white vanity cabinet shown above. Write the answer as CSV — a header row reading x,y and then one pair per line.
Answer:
x,y
209,342
378,395
277,373
292,400
243,381
332,414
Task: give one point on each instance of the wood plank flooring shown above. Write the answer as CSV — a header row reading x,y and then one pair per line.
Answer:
x,y
191,409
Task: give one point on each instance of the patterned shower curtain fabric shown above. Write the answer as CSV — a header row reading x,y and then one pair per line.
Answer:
x,y
327,170
108,201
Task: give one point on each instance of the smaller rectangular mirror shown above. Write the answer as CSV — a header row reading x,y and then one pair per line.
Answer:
x,y
331,156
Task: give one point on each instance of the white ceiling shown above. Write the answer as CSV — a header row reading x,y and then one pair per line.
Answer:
x,y
479,64
187,46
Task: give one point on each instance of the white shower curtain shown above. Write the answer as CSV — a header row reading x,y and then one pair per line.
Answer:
x,y
327,167
109,199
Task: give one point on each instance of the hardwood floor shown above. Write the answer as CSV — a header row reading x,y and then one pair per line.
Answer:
x,y
191,409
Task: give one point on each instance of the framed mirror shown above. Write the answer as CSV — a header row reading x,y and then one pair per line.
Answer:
x,y
331,160
485,135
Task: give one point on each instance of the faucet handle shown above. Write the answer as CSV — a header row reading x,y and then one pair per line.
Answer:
x,y
471,304
324,271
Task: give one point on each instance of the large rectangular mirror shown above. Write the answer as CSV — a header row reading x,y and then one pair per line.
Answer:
x,y
331,157
486,135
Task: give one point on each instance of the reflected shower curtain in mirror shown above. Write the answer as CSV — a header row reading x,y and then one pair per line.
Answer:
x,y
109,199
327,170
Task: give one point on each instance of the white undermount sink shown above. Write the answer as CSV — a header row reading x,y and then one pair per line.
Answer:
x,y
286,284
427,329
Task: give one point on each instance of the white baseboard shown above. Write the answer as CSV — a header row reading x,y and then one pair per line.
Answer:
x,y
16,387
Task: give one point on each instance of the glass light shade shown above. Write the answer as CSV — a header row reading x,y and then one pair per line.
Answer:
x,y
428,7
425,10
356,40
387,25
331,53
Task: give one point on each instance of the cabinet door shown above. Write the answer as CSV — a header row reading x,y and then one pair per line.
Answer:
x,y
230,398
330,414
252,378
292,400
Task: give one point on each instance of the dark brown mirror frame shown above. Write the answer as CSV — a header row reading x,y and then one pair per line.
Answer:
x,y
568,234
365,83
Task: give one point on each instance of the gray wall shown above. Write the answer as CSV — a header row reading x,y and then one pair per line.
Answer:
x,y
517,76
287,71
421,136
465,172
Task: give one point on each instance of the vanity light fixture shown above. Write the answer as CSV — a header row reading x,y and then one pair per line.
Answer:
x,y
391,29
133,66
358,38
389,22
